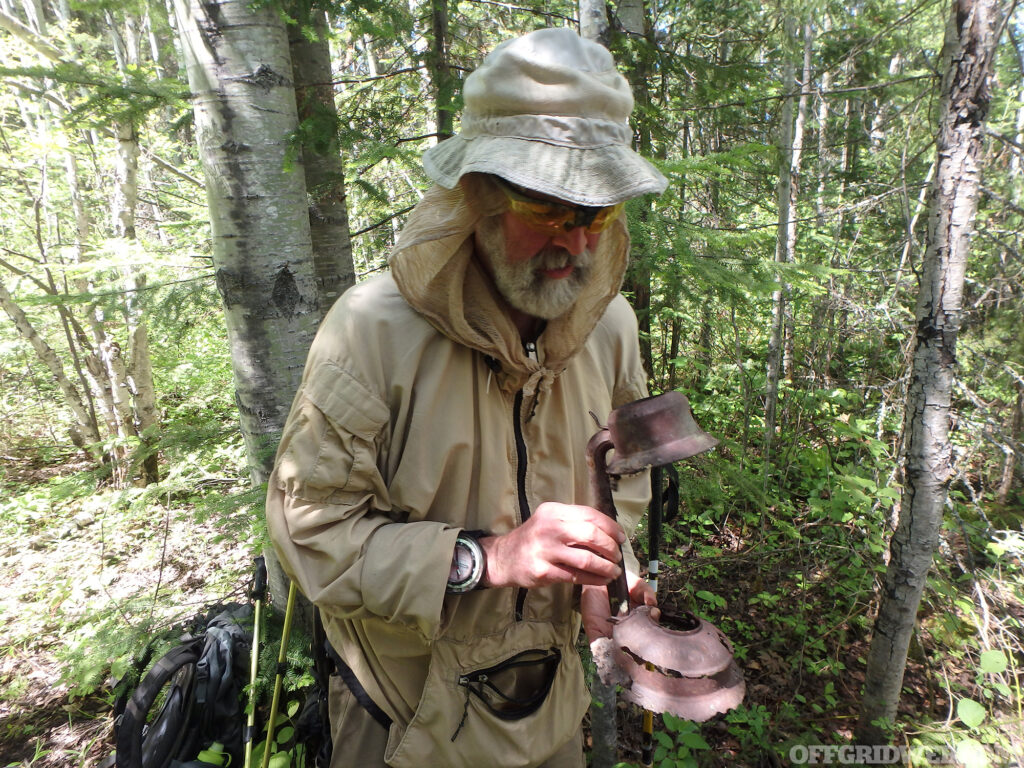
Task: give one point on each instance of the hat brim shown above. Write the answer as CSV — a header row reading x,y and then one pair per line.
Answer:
x,y
594,176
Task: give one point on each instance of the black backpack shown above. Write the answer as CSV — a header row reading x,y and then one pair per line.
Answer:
x,y
191,698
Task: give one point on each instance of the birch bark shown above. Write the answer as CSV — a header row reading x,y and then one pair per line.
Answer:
x,y
968,52
239,72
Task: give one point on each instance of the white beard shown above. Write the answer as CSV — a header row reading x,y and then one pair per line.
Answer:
x,y
522,284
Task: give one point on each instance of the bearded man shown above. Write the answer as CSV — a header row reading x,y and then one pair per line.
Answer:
x,y
431,490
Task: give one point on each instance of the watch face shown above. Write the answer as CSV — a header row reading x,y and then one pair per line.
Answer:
x,y
462,564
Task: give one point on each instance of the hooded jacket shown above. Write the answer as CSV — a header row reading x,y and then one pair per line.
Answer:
x,y
420,415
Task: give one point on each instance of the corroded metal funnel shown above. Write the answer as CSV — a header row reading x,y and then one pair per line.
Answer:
x,y
682,665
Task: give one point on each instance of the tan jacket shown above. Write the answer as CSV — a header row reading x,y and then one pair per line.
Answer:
x,y
407,429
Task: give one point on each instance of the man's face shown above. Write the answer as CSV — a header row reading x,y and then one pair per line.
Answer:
x,y
539,274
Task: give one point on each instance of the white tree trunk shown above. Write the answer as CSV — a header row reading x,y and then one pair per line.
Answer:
x,y
239,71
85,424
969,50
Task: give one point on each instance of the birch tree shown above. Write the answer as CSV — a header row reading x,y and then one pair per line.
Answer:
x,y
971,36
240,75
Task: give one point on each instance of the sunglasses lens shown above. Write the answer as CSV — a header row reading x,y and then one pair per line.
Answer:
x,y
553,219
604,218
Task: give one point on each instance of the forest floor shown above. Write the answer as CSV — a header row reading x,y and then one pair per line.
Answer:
x,y
77,573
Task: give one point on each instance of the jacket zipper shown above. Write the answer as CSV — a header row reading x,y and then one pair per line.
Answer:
x,y
524,504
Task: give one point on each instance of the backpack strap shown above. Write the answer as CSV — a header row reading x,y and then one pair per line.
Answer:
x,y
167,730
353,684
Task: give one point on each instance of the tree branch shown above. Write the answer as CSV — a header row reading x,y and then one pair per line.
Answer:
x,y
27,35
383,221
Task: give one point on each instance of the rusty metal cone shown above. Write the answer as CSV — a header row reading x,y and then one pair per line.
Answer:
x,y
684,666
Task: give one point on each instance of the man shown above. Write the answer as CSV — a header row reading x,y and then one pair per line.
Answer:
x,y
431,491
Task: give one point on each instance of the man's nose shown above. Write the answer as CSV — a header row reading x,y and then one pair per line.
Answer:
x,y
574,241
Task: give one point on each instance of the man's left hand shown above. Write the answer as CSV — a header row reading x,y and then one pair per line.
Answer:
x,y
595,610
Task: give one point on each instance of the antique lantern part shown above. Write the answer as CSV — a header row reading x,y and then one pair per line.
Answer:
x,y
699,649
688,672
654,431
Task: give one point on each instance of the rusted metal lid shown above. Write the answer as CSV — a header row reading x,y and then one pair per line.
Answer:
x,y
655,431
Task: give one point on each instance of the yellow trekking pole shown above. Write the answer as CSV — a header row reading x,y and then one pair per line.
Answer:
x,y
259,593
282,656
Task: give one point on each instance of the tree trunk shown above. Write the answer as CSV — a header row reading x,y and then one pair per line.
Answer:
x,y
324,165
969,50
87,432
784,240
440,70
594,21
142,418
632,17
239,73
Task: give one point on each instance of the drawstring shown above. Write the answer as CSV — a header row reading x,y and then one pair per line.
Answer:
x,y
493,367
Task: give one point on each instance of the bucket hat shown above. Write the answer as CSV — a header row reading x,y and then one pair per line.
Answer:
x,y
548,111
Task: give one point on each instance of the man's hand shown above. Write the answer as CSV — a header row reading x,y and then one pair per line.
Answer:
x,y
558,543
595,610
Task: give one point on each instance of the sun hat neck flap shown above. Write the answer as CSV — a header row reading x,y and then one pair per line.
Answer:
x,y
550,112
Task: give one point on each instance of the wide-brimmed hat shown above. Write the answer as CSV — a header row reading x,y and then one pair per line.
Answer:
x,y
548,111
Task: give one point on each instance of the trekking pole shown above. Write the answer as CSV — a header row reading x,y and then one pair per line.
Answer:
x,y
259,592
654,536
282,655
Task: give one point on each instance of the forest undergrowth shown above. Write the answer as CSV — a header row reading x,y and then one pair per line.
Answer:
x,y
91,572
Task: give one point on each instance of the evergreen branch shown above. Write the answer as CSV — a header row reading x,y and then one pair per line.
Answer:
x,y
817,92
534,11
373,78
383,221
416,138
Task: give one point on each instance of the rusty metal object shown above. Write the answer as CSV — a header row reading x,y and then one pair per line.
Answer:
x,y
654,431
601,491
683,665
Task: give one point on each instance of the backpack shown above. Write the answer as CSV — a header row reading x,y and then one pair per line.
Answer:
x,y
191,698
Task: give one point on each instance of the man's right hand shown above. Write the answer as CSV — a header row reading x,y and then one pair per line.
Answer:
x,y
558,543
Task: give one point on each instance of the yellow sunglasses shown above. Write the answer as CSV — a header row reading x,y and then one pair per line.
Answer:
x,y
552,219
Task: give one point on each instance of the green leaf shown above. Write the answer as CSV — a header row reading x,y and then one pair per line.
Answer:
x,y
970,712
971,753
993,662
694,741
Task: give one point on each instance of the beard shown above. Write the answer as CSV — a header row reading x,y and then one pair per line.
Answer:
x,y
523,284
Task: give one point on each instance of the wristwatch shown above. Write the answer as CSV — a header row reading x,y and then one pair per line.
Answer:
x,y
469,563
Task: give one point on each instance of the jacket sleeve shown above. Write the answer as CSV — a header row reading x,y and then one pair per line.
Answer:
x,y
330,517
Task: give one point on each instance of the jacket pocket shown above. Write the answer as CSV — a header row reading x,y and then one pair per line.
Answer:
x,y
511,699
514,688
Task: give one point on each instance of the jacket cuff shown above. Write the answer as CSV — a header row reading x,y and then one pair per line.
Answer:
x,y
405,572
